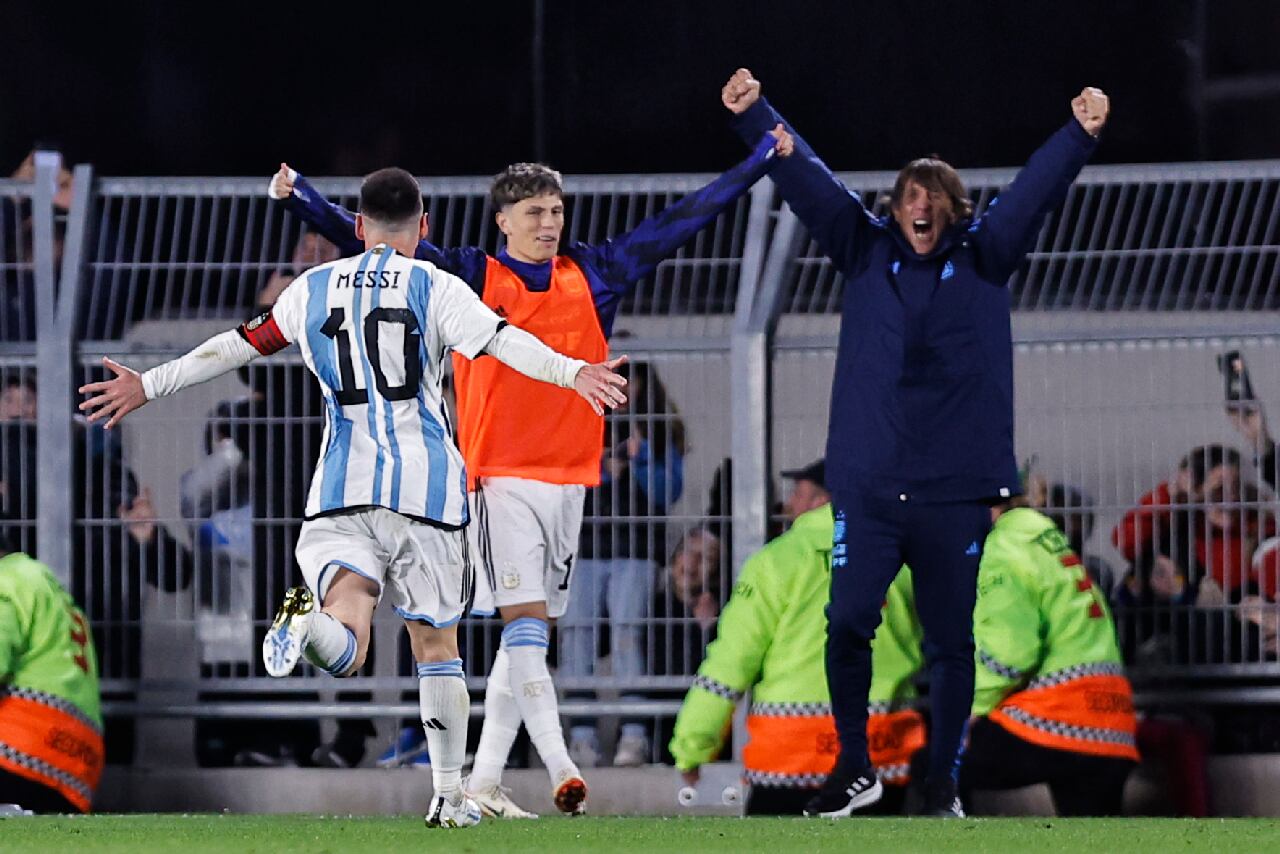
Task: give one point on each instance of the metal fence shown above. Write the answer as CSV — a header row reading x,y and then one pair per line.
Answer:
x,y
1184,237
176,532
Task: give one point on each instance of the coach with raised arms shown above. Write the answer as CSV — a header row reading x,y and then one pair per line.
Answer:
x,y
920,442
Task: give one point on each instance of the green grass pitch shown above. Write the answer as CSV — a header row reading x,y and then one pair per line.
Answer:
x,y
348,835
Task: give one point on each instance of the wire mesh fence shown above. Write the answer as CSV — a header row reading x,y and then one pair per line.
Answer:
x,y
198,249
183,523
1192,237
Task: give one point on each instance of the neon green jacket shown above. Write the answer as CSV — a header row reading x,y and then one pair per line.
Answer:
x,y
1037,612
771,640
45,644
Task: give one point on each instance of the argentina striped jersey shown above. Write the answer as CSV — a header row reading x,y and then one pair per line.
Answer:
x,y
375,329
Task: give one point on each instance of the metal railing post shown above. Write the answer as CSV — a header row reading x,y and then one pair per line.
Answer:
x,y
759,300
54,391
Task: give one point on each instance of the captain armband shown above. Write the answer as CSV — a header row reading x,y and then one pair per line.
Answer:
x,y
263,334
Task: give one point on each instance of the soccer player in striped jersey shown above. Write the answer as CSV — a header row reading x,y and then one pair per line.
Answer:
x,y
388,502
532,454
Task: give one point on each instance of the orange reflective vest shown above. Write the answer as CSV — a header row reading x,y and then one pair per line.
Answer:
x,y
892,738
795,744
1085,709
512,426
48,740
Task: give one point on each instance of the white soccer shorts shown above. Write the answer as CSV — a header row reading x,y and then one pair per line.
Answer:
x,y
423,568
524,535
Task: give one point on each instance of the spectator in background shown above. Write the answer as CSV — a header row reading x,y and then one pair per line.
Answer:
x,y
1193,594
311,250
1207,504
50,711
17,454
623,532
686,604
1227,531
687,601
110,566
119,552
17,287
18,397
1202,471
26,172
261,450
216,495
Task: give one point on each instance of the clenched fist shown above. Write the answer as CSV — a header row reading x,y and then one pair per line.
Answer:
x,y
741,91
281,186
1090,108
784,143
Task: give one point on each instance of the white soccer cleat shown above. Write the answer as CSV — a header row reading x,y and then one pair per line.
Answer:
x,y
570,792
445,813
496,802
287,637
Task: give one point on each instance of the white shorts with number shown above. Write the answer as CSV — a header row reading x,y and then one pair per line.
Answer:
x,y
423,568
524,535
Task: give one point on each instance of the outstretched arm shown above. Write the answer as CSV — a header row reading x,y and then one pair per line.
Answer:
x,y
333,221
471,328
338,225
1008,229
266,334
128,390
624,260
834,216
599,385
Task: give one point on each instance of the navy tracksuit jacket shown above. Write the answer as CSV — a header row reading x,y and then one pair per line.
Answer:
x,y
921,424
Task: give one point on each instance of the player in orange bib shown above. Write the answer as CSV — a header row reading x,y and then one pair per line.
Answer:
x,y
532,452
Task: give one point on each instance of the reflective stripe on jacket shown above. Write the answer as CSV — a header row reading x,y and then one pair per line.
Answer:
x,y
1088,709
48,740
770,641
1048,665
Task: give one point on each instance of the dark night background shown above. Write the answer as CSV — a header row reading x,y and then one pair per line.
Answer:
x,y
155,88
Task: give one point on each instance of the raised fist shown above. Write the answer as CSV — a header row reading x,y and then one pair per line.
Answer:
x,y
785,143
740,92
1090,108
281,186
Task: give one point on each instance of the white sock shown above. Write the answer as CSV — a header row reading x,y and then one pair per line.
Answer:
x,y
330,645
525,641
445,706
501,724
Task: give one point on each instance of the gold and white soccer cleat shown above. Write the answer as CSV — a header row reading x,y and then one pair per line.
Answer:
x,y
570,793
287,637
445,813
496,802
